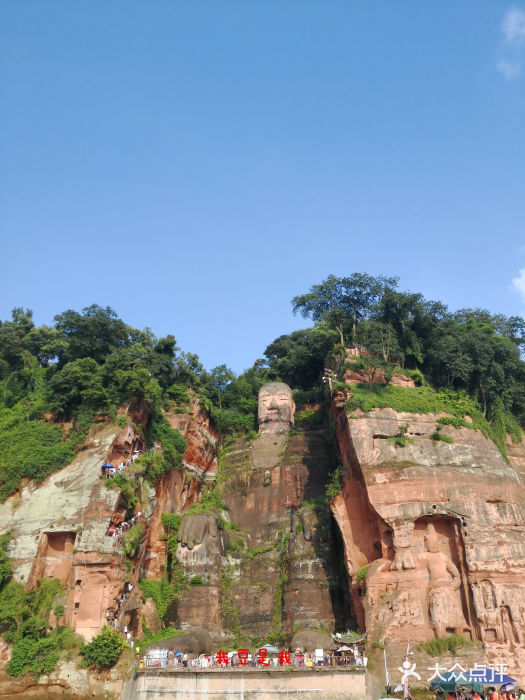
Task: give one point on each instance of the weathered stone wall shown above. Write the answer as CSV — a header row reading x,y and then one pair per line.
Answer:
x,y
264,685
441,528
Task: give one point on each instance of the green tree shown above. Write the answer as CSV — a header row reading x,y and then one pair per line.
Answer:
x,y
94,333
299,357
103,650
342,301
383,351
416,321
78,382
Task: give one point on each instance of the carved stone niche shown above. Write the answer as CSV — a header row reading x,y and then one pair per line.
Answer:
x,y
439,552
487,613
500,612
54,558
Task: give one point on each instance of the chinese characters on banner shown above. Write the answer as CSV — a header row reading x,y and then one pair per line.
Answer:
x,y
222,659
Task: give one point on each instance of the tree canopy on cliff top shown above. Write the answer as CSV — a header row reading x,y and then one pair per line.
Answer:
x,y
88,363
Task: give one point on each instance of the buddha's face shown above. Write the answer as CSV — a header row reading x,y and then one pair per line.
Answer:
x,y
431,539
276,408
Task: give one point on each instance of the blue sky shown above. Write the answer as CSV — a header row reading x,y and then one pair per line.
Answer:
x,y
196,165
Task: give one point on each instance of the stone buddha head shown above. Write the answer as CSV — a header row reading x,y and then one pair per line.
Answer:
x,y
276,408
431,539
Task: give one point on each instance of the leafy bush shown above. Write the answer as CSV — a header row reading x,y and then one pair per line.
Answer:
x,y
127,489
457,421
33,655
361,574
232,421
196,581
103,651
400,438
438,436
236,544
29,448
210,500
335,484
162,592
513,428
131,540
23,618
5,564
179,394
415,374
153,466
172,442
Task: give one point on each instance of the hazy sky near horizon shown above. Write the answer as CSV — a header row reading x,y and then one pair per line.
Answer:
x,y
196,165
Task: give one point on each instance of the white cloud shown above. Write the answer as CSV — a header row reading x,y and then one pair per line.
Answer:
x,y
519,283
513,25
509,69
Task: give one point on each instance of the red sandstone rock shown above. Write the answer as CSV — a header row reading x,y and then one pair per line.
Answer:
x,y
442,530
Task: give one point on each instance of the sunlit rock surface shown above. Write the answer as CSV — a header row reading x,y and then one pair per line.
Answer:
x,y
441,529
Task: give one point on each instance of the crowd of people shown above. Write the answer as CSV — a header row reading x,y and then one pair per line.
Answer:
x,y
112,616
109,470
491,694
243,659
117,531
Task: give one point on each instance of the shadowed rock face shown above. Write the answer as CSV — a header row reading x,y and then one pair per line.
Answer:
x,y
276,408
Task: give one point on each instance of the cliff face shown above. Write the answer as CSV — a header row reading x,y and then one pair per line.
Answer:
x,y
59,529
175,491
441,528
294,582
277,569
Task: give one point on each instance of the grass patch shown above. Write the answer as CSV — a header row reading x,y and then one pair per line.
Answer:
x,y
423,399
444,645
253,552
210,500
309,420
161,635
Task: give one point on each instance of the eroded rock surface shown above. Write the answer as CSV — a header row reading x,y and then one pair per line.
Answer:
x,y
440,527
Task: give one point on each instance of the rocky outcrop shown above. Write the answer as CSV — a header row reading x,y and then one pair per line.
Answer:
x,y
200,458
178,488
65,516
434,533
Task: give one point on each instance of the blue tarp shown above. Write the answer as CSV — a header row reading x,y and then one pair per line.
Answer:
x,y
271,649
